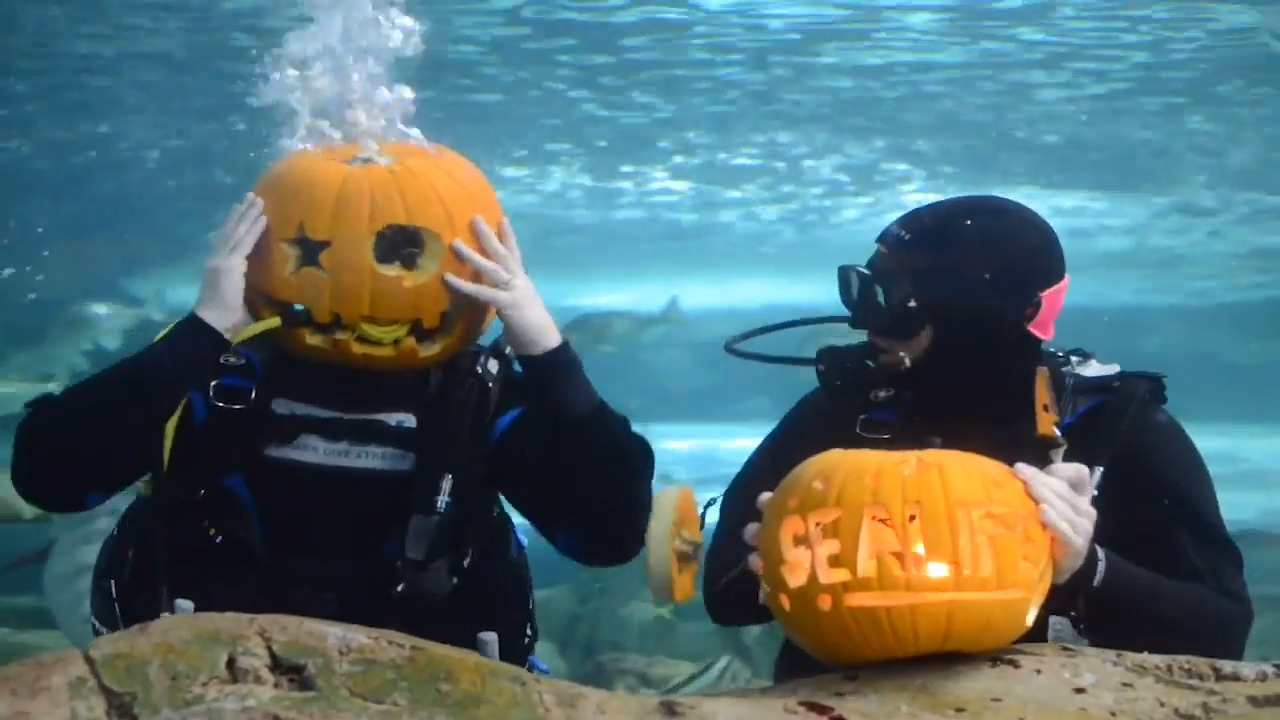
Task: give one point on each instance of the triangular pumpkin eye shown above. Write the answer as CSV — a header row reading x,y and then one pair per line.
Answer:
x,y
309,249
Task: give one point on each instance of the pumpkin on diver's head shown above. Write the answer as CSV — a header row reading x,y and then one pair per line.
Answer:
x,y
359,237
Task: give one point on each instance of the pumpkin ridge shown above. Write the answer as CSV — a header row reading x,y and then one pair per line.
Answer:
x,y
350,177
417,188
948,500
448,171
968,510
410,171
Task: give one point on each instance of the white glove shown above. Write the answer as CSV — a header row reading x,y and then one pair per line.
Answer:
x,y
751,536
221,301
527,326
1064,492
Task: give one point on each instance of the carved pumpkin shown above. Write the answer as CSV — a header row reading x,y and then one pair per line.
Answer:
x,y
673,545
360,238
873,555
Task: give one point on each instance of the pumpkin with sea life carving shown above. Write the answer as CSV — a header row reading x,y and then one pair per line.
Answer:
x,y
875,555
359,237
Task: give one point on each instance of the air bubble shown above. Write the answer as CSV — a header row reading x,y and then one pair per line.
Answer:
x,y
332,77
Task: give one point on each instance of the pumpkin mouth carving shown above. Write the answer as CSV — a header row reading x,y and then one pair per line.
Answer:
x,y
373,336
376,337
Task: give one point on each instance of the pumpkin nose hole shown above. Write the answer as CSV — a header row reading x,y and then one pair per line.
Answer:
x,y
401,245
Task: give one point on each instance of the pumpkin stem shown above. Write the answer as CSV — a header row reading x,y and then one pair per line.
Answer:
x,y
370,154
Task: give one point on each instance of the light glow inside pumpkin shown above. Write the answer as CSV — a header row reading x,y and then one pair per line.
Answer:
x,y
807,554
876,555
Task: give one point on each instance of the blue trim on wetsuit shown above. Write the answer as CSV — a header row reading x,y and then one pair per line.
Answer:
x,y
252,357
502,423
235,484
1062,425
94,499
199,407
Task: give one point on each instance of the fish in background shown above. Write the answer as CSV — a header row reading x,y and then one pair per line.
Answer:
x,y
80,340
108,324
13,509
68,564
68,559
608,331
16,393
171,288
719,675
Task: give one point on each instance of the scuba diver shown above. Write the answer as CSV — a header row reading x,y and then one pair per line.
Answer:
x,y
957,300
338,492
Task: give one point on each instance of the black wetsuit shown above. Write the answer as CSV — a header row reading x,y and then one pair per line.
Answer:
x,y
1173,580
558,453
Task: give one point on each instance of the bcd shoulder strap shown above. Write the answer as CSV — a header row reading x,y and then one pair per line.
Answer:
x,y
848,375
210,435
205,441
1082,384
449,471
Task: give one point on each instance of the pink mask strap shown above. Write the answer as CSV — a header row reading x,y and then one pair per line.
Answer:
x,y
1051,302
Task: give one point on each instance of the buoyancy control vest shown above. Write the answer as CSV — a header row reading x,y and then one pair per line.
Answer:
x,y
1069,384
197,491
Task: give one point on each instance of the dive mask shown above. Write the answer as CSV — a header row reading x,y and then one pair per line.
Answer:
x,y
879,305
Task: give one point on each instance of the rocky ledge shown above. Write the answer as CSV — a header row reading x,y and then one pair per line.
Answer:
x,y
220,667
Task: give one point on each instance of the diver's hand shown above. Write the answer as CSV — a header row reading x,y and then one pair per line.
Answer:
x,y
221,300
527,326
1064,492
751,535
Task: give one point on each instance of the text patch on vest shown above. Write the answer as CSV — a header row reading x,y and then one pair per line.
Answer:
x,y
311,449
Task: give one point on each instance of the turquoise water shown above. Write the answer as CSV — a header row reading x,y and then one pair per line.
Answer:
x,y
726,153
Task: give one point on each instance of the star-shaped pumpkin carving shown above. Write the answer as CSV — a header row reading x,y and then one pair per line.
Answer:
x,y
309,249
